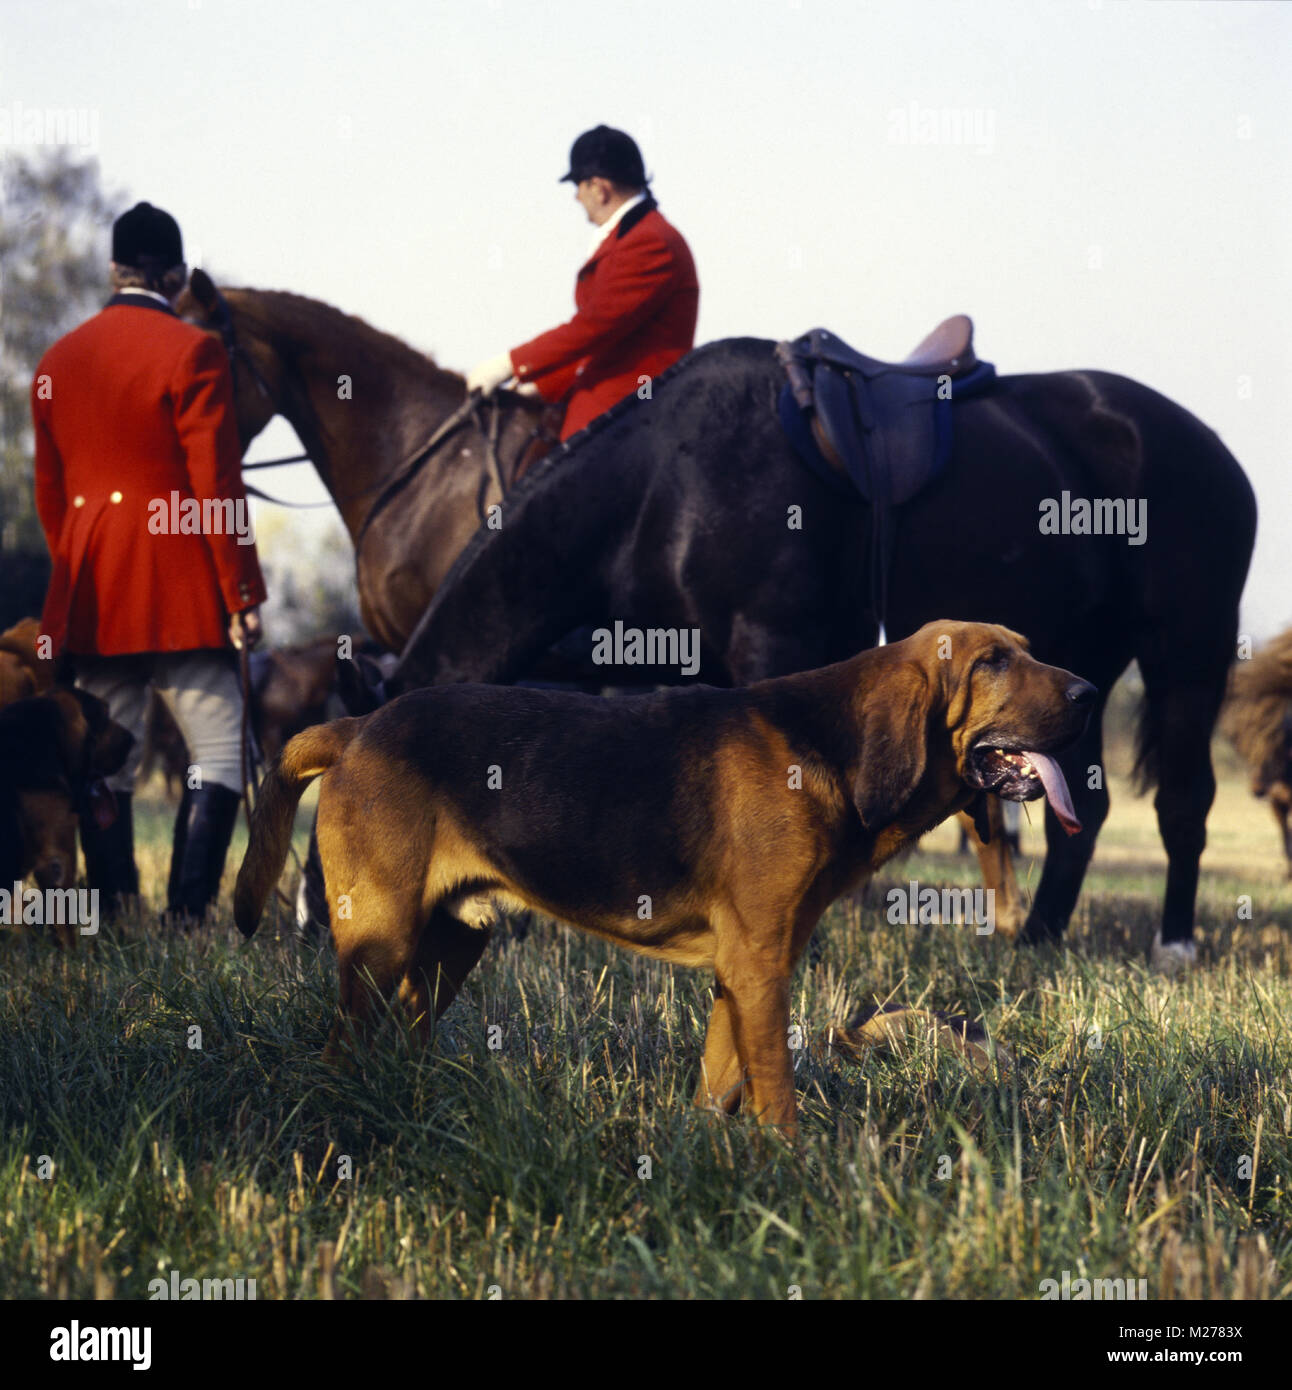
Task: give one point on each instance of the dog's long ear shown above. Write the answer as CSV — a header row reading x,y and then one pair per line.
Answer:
x,y
894,745
980,810
106,744
34,743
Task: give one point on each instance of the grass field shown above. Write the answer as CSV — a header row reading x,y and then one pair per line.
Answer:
x,y
1142,1133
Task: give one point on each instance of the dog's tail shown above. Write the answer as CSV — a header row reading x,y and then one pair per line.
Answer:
x,y
304,758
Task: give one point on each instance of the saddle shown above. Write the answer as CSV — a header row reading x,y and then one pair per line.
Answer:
x,y
878,430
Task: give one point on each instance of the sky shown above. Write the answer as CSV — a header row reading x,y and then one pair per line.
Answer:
x,y
1099,184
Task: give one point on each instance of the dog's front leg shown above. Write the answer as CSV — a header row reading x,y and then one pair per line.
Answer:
x,y
721,1075
758,998
996,863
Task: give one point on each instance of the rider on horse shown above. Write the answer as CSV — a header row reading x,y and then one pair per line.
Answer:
x,y
636,295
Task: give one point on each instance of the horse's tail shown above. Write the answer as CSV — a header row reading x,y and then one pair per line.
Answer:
x,y
305,757
1190,581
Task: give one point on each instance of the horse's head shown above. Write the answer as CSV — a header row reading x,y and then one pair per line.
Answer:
x,y
257,371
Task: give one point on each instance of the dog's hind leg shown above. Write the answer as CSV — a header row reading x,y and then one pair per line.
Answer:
x,y
446,954
375,926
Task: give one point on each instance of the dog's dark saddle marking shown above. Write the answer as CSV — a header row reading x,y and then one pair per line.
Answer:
x,y
881,430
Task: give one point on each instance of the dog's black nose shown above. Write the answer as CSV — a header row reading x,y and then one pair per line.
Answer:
x,y
1081,692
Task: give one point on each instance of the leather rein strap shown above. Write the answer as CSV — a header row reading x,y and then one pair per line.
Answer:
x,y
252,761
467,412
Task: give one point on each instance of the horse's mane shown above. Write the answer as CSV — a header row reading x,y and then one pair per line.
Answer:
x,y
540,476
1255,717
300,319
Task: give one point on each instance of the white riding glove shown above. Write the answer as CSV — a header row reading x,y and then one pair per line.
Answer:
x,y
487,376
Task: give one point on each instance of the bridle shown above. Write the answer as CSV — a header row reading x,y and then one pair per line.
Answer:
x,y
223,323
485,412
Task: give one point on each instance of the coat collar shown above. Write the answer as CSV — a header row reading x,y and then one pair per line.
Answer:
x,y
626,223
138,301
633,216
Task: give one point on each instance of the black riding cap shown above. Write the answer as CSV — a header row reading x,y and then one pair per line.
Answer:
x,y
603,152
146,237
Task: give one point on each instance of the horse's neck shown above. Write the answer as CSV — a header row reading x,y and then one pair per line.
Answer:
x,y
358,412
358,445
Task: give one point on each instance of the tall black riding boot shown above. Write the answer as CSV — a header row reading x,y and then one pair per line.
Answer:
x,y
208,815
178,836
110,858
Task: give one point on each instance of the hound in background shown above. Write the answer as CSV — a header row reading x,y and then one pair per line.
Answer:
x,y
22,671
56,750
1257,720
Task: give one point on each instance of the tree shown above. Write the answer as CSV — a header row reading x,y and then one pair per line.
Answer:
x,y
54,221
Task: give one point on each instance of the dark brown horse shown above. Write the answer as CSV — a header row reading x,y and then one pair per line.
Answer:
x,y
692,511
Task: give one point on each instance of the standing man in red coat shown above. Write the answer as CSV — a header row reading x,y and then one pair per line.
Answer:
x,y
637,295
139,491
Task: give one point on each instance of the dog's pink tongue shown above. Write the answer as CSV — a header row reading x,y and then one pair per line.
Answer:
x,y
1056,790
103,804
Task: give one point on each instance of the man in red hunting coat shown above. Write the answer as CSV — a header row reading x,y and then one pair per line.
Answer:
x,y
636,295
139,491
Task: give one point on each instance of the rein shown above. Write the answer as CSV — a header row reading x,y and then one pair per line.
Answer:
x,y
484,411
252,761
413,463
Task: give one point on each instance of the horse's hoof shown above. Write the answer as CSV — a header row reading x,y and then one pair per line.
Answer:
x,y
1172,958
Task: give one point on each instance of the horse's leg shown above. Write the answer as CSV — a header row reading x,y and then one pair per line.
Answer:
x,y
1185,670
1183,711
1067,857
313,921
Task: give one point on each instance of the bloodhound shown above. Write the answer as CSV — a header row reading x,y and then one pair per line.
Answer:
x,y
55,751
706,827
23,671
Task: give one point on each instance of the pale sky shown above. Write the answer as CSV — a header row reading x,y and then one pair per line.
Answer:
x,y
1111,184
